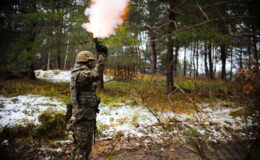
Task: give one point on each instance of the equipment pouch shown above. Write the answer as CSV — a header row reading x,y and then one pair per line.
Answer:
x,y
68,112
98,102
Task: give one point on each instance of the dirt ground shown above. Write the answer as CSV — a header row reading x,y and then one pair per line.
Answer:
x,y
131,150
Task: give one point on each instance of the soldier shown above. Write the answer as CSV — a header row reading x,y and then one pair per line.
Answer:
x,y
84,101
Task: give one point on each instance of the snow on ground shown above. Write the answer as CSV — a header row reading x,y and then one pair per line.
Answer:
x,y
53,75
59,75
131,121
126,119
139,122
21,109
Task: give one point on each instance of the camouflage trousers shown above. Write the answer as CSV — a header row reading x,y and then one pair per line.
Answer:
x,y
83,136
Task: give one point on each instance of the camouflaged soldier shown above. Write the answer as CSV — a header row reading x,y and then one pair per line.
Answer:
x,y
84,101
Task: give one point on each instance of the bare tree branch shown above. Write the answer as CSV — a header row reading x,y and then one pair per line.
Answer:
x,y
158,27
204,14
241,34
197,108
68,44
202,24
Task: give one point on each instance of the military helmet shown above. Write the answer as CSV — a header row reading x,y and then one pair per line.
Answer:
x,y
84,56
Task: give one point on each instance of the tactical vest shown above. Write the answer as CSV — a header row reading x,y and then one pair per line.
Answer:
x,y
83,92
87,94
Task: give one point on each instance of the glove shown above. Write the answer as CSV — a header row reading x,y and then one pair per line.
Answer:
x,y
71,123
101,59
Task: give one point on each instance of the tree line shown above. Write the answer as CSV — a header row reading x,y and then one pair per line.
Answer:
x,y
47,34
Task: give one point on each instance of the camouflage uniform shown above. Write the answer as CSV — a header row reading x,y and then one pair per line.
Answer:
x,y
84,101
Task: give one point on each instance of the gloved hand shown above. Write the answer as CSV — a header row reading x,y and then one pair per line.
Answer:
x,y
101,59
71,123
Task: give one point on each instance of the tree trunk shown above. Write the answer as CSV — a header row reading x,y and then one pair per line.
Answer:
x,y
211,72
58,57
190,68
184,63
144,66
65,61
154,58
49,58
193,61
101,50
197,60
214,50
31,73
253,7
32,29
223,60
249,49
58,60
169,67
240,58
256,54
175,71
66,56
206,60
231,63
30,66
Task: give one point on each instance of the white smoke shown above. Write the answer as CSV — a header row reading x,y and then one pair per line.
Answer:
x,y
104,17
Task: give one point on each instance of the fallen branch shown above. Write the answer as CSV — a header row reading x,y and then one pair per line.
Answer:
x,y
136,93
197,108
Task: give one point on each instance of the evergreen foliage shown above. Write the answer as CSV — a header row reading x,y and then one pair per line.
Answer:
x,y
40,34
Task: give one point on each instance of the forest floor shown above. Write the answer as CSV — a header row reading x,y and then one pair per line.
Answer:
x,y
129,150
137,120
128,132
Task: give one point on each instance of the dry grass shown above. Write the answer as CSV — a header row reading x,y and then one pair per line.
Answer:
x,y
151,88
24,86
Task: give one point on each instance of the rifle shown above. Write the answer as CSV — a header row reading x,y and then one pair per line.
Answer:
x,y
95,121
68,112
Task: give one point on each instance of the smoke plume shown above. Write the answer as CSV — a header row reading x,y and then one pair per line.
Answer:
x,y
105,16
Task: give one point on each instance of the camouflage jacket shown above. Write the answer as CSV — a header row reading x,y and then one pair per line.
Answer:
x,y
83,92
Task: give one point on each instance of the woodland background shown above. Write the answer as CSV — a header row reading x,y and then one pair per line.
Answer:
x,y
168,55
37,34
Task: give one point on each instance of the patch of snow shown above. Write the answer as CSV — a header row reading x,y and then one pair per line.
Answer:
x,y
133,121
63,142
124,119
59,75
47,157
139,122
26,108
58,150
5,142
53,75
43,149
107,78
